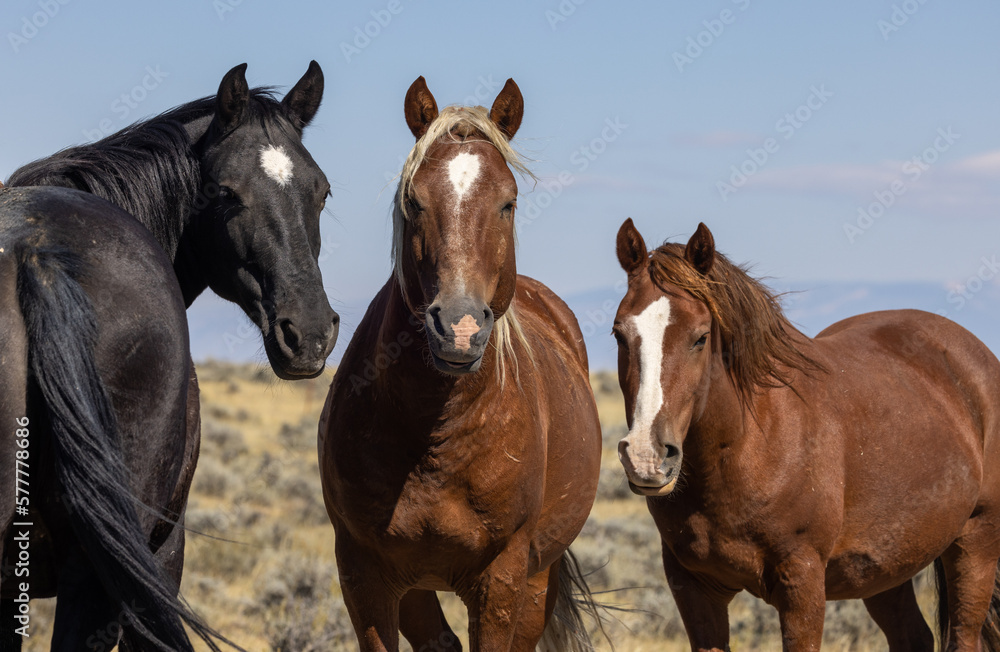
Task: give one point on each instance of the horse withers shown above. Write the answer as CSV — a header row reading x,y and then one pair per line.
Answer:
x,y
470,461
97,452
807,469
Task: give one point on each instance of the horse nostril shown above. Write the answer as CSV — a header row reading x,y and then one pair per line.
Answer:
x,y
622,451
487,315
335,322
670,452
289,335
435,314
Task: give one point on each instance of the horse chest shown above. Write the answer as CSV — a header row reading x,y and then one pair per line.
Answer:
x,y
428,502
705,543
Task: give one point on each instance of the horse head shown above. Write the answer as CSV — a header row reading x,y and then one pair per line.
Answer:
x,y
261,242
454,222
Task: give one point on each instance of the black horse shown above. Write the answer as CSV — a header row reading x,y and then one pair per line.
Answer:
x,y
233,197
96,454
230,194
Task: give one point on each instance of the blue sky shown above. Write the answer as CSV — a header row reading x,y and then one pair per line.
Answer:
x,y
829,111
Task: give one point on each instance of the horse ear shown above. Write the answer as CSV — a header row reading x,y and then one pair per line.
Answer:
x,y
700,250
233,98
508,109
630,246
302,102
419,107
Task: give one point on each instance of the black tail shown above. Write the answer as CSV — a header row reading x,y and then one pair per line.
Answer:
x,y
991,628
62,332
566,631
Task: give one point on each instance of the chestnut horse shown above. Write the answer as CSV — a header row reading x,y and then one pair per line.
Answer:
x,y
460,445
807,469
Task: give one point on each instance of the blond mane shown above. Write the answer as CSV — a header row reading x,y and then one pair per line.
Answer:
x,y
455,123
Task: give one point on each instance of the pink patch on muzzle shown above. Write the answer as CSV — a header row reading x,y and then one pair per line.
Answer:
x,y
464,330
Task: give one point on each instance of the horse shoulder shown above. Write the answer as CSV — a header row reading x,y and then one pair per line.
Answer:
x,y
549,316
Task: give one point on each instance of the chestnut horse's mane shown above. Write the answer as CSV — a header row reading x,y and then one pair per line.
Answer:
x,y
758,344
458,123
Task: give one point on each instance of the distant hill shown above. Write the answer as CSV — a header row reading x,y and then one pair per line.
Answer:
x,y
220,330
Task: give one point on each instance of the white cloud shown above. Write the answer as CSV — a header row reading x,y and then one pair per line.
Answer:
x,y
967,187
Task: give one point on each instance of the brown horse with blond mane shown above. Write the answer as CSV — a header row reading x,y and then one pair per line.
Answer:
x,y
807,469
470,461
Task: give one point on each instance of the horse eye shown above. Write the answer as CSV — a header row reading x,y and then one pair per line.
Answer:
x,y
413,207
508,210
619,338
701,341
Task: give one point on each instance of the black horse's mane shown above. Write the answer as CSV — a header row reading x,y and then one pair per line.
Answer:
x,y
149,169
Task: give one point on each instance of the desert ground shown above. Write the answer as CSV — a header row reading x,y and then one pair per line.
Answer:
x,y
265,574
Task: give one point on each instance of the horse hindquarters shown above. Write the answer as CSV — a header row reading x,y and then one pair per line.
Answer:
x,y
86,442
168,539
13,406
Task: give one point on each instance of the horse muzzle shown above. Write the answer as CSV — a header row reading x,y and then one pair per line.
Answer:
x,y
296,353
457,334
651,470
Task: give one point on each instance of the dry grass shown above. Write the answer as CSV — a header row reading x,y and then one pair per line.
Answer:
x,y
273,585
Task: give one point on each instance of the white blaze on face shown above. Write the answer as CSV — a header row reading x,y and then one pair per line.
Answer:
x,y
276,164
650,325
463,170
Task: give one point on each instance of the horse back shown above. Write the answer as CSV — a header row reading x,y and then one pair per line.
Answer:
x,y
914,346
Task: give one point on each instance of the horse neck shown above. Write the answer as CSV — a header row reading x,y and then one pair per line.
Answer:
x,y
186,258
159,190
173,220
726,422
722,422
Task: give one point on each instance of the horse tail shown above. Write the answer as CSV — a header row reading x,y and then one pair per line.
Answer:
x,y
566,630
62,333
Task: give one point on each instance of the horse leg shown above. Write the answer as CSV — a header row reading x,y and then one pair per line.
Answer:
x,y
896,613
10,640
704,610
171,557
970,567
423,624
85,617
170,553
373,607
536,610
798,592
496,599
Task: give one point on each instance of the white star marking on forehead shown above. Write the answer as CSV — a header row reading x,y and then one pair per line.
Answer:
x,y
463,170
276,164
